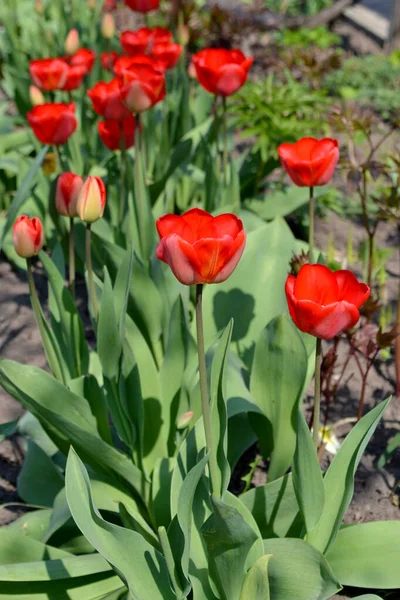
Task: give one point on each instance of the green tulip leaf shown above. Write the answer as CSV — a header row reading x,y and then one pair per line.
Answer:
x,y
339,479
109,345
307,477
39,480
277,380
298,571
256,583
367,555
139,565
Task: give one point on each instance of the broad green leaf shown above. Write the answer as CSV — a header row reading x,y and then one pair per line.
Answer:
x,y
307,476
93,587
16,547
298,571
132,519
108,340
141,213
23,192
33,524
339,479
39,480
368,597
161,491
7,429
229,540
180,529
257,549
88,387
256,584
278,203
75,346
274,507
49,570
122,287
138,564
277,379
367,555
67,418
218,410
255,292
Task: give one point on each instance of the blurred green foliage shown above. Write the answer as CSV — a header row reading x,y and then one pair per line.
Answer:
x,y
321,37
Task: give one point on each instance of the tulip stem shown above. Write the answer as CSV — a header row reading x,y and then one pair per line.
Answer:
x,y
311,228
317,393
71,258
92,289
62,165
205,406
225,129
123,180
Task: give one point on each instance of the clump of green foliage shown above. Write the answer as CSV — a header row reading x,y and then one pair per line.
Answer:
x,y
321,37
272,110
296,7
370,80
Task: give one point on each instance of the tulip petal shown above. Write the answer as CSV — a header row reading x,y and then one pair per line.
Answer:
x,y
181,258
169,224
198,220
230,79
213,255
236,254
325,322
350,289
316,283
291,300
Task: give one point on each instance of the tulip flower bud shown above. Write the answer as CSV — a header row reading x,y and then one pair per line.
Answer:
x,y
91,200
39,6
35,96
68,189
28,236
72,42
184,419
92,4
108,26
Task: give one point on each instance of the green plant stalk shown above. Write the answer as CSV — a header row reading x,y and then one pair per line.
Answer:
x,y
205,405
225,130
311,227
169,559
137,180
37,311
123,168
317,393
71,258
62,165
92,289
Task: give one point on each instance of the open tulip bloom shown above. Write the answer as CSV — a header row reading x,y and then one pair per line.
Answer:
x,y
310,162
143,40
220,71
324,303
53,123
200,248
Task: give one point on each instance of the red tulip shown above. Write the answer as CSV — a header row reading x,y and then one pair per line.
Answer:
x,y
143,87
68,189
324,303
91,200
143,40
106,100
84,57
48,73
310,162
108,60
125,62
222,72
109,5
53,123
117,135
75,77
167,54
28,236
143,6
200,248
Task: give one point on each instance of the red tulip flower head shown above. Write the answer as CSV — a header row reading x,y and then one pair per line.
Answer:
x,y
53,124
108,60
75,77
200,248
143,40
222,72
143,86
48,73
106,100
117,135
91,200
167,54
28,236
83,57
125,62
324,303
68,189
143,6
310,162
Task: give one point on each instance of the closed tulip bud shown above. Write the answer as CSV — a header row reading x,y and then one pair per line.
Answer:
x,y
72,43
91,200
39,6
108,26
28,236
92,4
68,189
35,96
184,419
